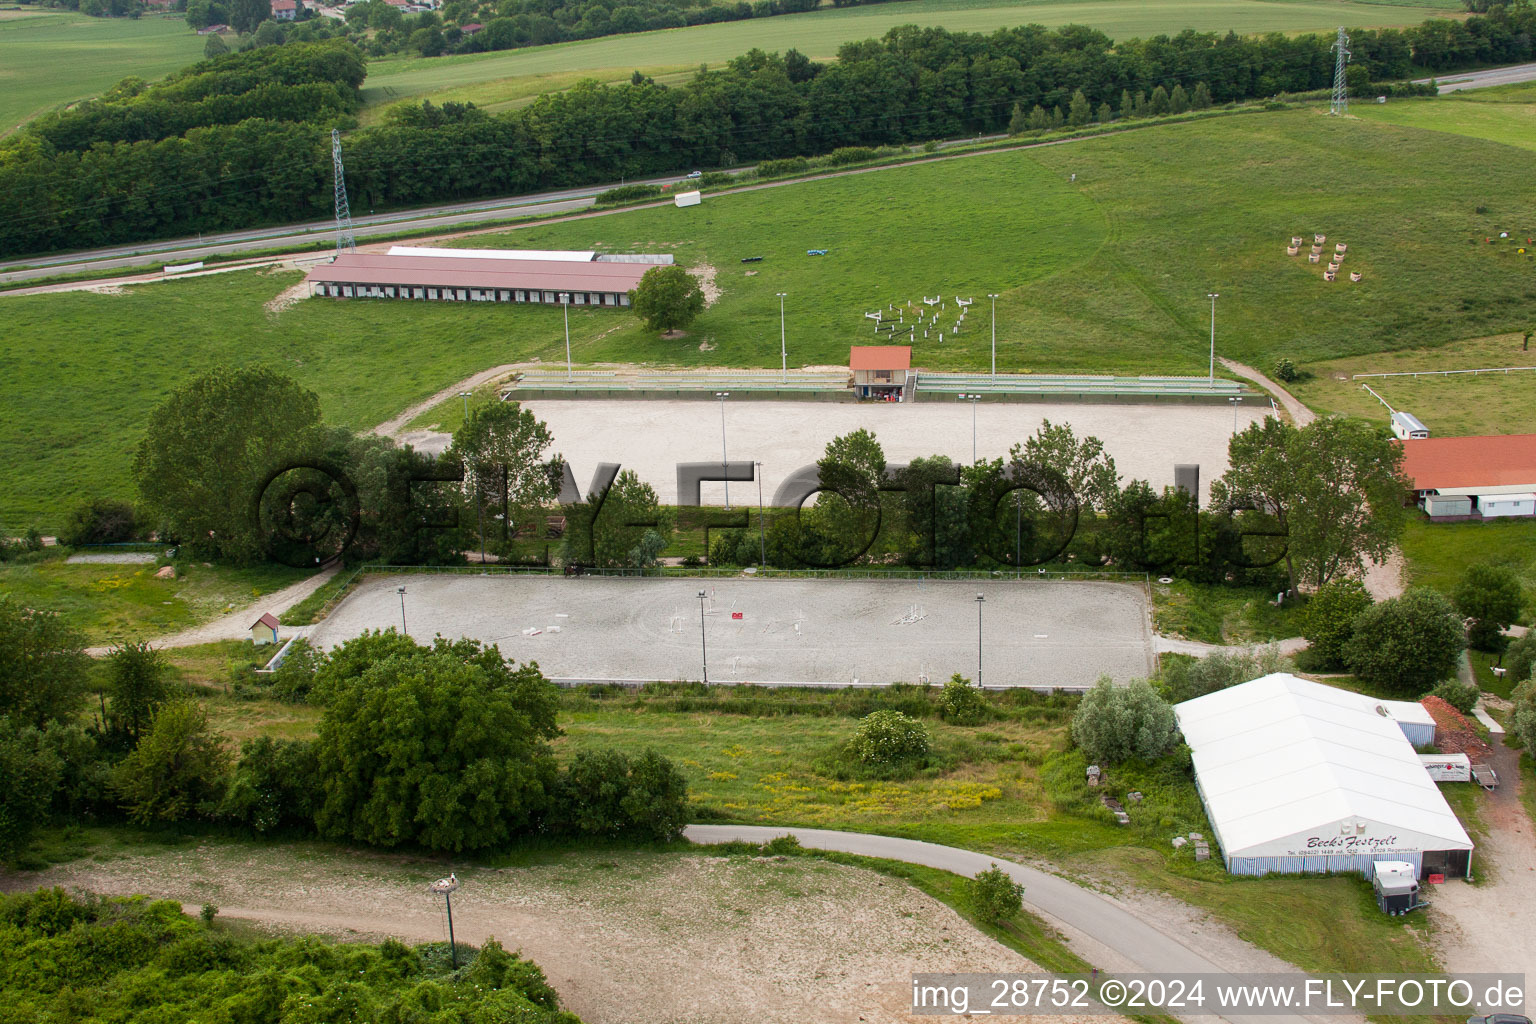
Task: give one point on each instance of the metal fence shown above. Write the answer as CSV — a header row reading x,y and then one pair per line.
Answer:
x,y
711,572
1443,373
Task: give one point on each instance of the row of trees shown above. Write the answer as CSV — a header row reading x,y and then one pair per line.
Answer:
x,y
912,84
443,747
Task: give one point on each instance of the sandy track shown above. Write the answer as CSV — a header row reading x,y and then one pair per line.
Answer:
x,y
623,936
1300,414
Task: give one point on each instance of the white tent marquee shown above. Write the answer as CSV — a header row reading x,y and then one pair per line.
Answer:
x,y
1300,777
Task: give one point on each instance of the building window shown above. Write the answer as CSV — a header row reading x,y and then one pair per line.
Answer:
x,y
549,296
581,298
624,298
460,295
609,299
519,295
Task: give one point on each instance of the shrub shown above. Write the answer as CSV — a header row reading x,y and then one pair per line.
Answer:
x,y
273,786
136,683
1490,596
1522,719
995,896
782,846
605,793
887,738
849,155
1284,370
294,679
1409,643
98,521
1519,657
1457,694
962,703
774,168
177,769
1114,723
627,194
209,911
1183,680
1328,621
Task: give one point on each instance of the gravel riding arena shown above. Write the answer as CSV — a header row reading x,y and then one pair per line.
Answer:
x,y
1038,633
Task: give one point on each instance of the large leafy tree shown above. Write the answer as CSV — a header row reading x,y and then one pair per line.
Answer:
x,y
137,685
177,769
506,476
1329,618
444,747
1409,643
209,448
1491,597
42,666
623,526
846,515
1335,488
667,298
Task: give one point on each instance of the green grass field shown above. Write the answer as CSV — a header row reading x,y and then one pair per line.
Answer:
x,y
112,603
1108,275
482,78
1452,405
1438,553
51,58
1501,114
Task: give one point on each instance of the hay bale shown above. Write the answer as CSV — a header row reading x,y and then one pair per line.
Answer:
x,y
1328,276
1319,239
1354,275
1313,258
1292,250
1341,247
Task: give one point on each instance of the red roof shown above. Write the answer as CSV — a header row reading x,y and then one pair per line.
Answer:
x,y
471,28
284,5
1488,461
436,272
880,357
267,619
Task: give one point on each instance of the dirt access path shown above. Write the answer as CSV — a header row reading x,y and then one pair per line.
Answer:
x,y
236,625
633,937
1487,927
1300,414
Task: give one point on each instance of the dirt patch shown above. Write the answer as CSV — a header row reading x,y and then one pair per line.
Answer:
x,y
706,277
633,937
1384,580
108,289
673,335
287,298
1453,733
751,273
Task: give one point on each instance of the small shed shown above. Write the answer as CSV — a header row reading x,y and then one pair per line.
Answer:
x,y
1440,506
880,371
688,198
264,629
1413,718
1406,426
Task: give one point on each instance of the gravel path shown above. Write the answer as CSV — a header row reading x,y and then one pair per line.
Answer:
x,y
394,426
1300,414
112,558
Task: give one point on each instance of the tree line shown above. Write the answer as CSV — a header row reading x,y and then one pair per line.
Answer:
x,y
912,84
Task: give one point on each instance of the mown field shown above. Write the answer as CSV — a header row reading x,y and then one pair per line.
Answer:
x,y
1107,274
1450,405
508,76
49,58
1501,114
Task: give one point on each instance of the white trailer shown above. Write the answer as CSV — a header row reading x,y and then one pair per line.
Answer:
x,y
1447,767
688,198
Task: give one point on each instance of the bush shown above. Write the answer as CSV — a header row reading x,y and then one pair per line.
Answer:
x,y
294,679
1284,370
849,155
962,703
1182,680
177,769
273,786
1490,596
1519,657
889,738
1115,723
995,896
627,194
1409,643
1522,719
1328,621
605,793
1457,694
99,521
775,168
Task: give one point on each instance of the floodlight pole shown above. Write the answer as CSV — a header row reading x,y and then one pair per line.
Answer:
x,y
783,351
725,461
981,599
565,304
972,399
993,297
1235,403
703,642
762,537
401,591
1211,374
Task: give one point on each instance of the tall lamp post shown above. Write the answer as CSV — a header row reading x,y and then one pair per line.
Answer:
x,y
981,599
972,399
703,643
446,888
1213,296
725,461
993,297
783,351
401,591
565,305
762,537
1235,403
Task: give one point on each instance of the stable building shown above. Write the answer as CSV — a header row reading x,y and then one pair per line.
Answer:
x,y
1484,477
1301,778
880,371
478,275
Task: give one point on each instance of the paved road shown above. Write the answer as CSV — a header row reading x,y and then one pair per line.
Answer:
x,y
1148,948
1483,79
